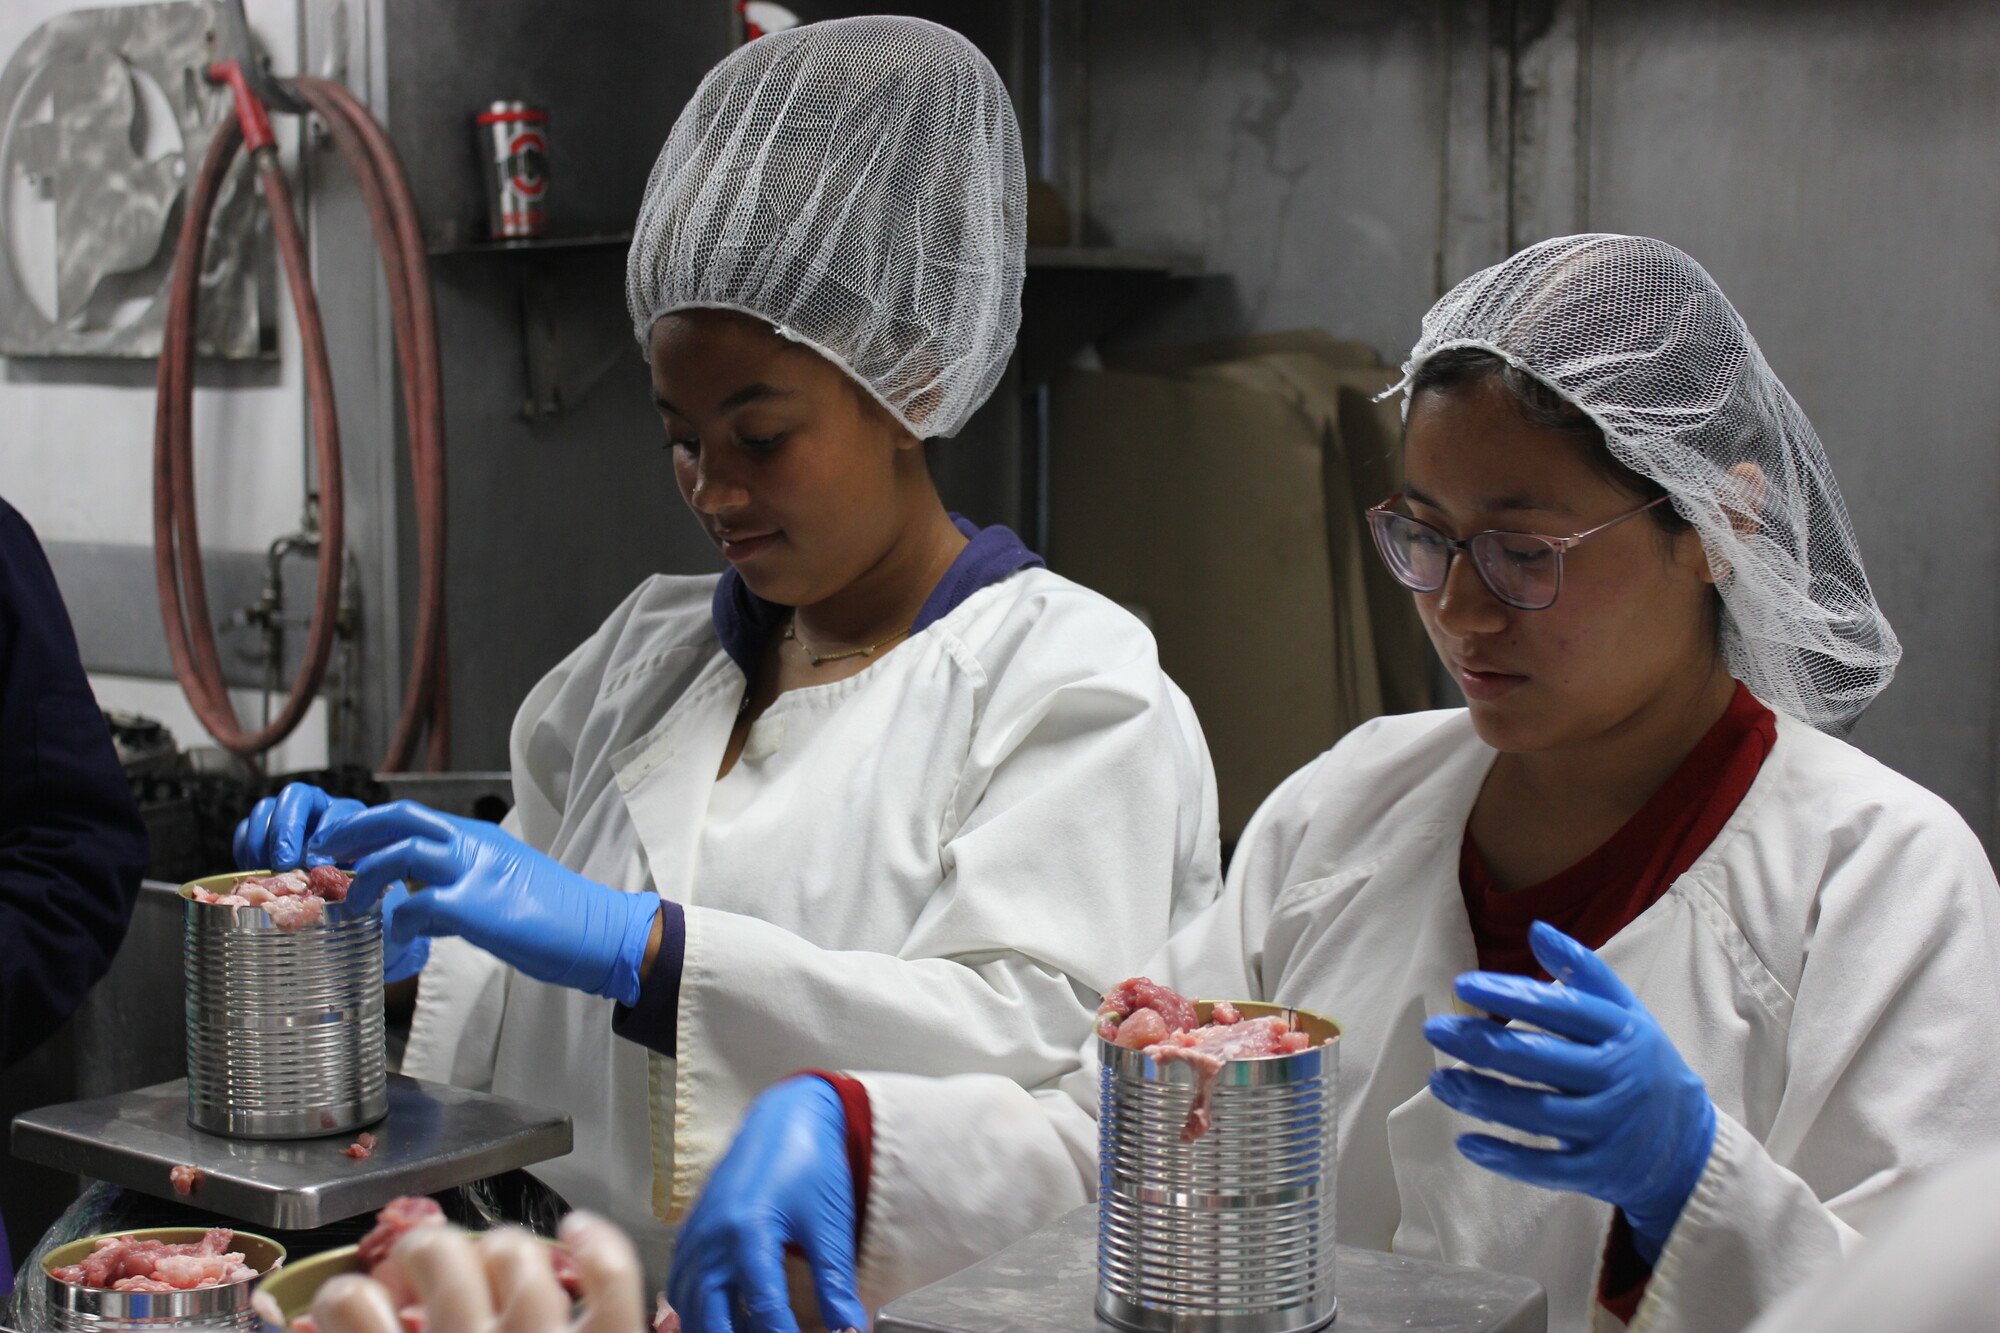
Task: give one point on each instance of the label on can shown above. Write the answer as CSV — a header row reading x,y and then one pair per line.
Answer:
x,y
514,150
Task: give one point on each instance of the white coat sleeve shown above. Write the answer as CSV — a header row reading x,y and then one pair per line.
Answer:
x,y
1084,809
965,1166
1928,1269
462,991
1893,1069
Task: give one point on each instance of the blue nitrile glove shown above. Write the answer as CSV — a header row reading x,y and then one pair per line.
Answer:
x,y
1636,1124
784,1181
275,835
489,887
401,959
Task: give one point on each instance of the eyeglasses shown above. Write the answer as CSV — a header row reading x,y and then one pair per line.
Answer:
x,y
1522,569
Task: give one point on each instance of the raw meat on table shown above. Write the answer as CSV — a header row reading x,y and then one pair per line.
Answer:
x,y
293,900
185,1180
361,1148
126,1263
1147,1017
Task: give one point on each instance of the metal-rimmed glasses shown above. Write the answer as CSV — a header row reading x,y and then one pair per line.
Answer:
x,y
1522,569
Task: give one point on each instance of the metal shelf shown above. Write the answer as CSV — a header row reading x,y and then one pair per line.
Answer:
x,y
534,245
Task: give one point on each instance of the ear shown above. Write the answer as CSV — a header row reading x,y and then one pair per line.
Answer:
x,y
1744,497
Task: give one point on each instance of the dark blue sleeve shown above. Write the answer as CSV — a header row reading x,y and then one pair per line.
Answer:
x,y
72,845
653,1021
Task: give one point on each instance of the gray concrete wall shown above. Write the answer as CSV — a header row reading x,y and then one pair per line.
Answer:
x,y
1833,165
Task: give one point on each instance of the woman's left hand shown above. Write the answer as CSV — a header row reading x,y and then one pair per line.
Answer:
x,y
482,883
1635,1123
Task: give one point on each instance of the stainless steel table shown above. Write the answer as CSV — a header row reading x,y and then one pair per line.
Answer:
x,y
1047,1283
434,1137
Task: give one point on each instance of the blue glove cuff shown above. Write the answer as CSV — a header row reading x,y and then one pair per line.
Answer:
x,y
1651,1227
622,981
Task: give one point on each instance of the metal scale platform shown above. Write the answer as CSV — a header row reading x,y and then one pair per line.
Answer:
x,y
434,1137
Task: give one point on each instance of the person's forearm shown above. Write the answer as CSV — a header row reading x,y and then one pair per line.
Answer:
x,y
652,947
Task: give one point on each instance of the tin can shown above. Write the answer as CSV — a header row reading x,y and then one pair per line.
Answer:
x,y
284,1029
224,1309
1232,1233
514,153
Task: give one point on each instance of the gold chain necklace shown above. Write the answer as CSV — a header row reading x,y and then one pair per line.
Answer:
x,y
815,659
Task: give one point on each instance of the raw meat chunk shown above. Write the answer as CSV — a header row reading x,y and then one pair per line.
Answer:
x,y
290,914
567,1273
185,1272
293,900
1141,1029
1142,1015
361,1148
185,1180
396,1220
124,1263
142,1284
665,1320
329,882
1129,997
1206,1049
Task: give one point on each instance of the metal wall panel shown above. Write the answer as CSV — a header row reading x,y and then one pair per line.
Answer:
x,y
1298,149
1833,165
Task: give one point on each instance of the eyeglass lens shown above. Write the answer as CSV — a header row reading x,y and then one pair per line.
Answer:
x,y
1521,569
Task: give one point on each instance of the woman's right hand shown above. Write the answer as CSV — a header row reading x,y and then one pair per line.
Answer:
x,y
275,834
503,1283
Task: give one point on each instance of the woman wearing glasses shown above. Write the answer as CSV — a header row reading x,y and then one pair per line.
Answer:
x,y
1779,961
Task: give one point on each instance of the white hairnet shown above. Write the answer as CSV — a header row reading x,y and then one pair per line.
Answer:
x,y
1638,336
858,185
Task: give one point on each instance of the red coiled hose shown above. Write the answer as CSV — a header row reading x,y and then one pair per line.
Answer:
x,y
176,541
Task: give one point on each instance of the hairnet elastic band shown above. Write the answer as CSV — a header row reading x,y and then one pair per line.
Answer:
x,y
792,335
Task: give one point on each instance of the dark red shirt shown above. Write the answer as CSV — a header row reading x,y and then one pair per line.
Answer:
x,y
1602,894
1605,891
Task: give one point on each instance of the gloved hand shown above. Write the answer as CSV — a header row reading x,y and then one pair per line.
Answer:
x,y
483,884
784,1181
401,958
1636,1124
275,835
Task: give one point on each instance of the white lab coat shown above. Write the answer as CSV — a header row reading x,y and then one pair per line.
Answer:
x,y
1927,1267
1830,966
932,866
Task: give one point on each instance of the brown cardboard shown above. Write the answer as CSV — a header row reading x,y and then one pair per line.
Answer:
x,y
1222,501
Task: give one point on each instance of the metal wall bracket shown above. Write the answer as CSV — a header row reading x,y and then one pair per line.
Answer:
x,y
558,377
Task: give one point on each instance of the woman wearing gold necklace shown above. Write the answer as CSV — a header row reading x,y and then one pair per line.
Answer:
x,y
888,794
